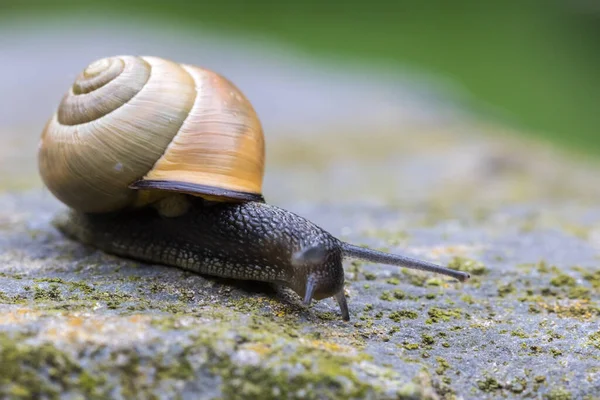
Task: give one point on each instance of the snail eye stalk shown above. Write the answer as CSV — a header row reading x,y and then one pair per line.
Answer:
x,y
380,257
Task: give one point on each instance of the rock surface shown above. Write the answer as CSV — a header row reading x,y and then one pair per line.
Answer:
x,y
522,218
78,322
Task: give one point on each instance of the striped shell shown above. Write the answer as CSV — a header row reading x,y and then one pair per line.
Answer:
x,y
134,128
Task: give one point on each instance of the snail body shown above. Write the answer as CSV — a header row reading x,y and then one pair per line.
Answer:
x,y
163,162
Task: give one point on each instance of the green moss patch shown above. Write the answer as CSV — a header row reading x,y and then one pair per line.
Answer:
x,y
489,385
411,346
593,278
7,299
578,309
397,316
396,294
443,365
427,339
558,394
51,293
579,292
439,315
563,280
468,265
594,340
505,290
43,371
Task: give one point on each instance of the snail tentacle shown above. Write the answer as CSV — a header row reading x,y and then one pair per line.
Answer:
x,y
311,286
341,300
380,257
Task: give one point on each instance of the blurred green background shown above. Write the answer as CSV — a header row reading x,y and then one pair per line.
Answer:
x,y
531,64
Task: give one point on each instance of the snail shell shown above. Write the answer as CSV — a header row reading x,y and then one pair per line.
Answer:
x,y
131,125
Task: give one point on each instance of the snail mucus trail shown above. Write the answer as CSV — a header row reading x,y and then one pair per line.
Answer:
x,y
186,194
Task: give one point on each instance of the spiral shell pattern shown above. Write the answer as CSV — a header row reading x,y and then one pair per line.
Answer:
x,y
129,126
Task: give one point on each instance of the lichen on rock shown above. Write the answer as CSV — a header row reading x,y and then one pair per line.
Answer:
x,y
80,323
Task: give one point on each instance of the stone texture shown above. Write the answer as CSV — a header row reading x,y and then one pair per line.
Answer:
x,y
79,322
523,218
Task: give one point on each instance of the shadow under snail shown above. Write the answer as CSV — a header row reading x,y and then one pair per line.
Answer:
x,y
163,162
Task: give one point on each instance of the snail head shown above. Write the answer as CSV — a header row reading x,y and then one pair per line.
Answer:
x,y
320,275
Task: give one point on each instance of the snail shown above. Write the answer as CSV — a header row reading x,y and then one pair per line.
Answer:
x,y
163,162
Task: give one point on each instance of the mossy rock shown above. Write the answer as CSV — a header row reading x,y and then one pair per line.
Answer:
x,y
77,322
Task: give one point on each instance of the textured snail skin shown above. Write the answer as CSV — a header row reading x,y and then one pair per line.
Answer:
x,y
247,241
